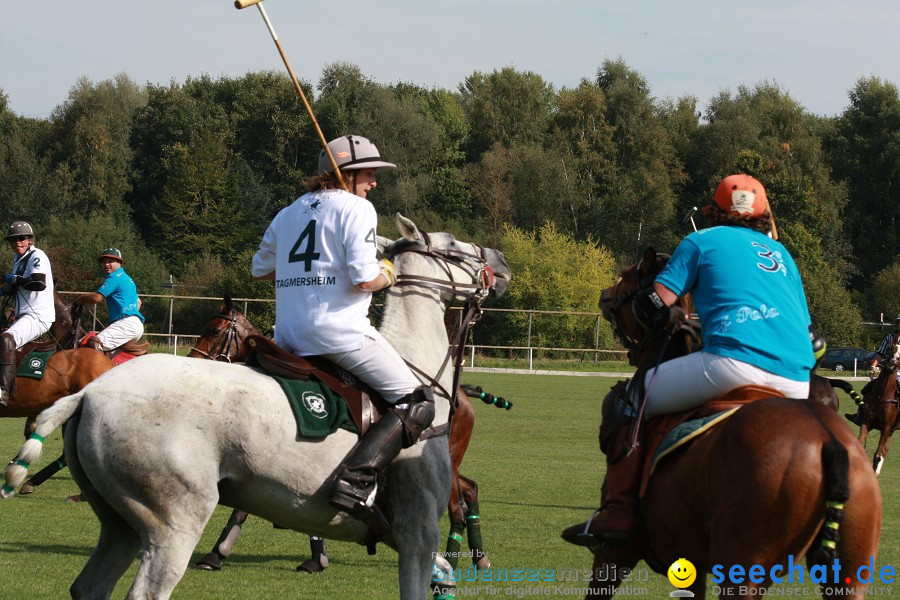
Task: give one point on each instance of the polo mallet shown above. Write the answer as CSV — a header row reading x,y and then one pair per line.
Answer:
x,y
241,4
774,232
690,217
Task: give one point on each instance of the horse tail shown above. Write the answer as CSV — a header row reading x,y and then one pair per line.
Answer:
x,y
845,385
836,467
47,422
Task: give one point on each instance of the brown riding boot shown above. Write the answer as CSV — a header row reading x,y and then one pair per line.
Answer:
x,y
616,520
7,367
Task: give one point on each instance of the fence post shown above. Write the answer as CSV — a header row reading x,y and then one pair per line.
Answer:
x,y
531,359
597,341
175,345
472,361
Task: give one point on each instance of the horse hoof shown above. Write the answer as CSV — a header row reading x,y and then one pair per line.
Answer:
x,y
26,489
210,562
75,498
482,563
313,566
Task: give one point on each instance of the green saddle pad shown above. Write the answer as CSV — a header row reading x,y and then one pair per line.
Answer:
x,y
687,431
33,364
319,412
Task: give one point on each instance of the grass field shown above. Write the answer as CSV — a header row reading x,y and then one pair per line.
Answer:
x,y
538,467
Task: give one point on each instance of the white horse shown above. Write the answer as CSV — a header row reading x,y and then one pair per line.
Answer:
x,y
159,441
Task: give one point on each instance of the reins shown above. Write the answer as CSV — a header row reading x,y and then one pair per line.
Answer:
x,y
483,277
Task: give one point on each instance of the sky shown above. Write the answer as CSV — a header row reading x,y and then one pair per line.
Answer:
x,y
815,50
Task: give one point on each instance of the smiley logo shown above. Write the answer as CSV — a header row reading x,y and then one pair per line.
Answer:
x,y
682,573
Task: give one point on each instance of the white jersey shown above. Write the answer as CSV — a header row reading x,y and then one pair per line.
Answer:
x,y
38,304
320,247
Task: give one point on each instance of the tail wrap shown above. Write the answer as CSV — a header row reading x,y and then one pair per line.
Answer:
x,y
836,466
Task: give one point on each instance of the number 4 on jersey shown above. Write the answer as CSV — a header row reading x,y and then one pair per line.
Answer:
x,y
309,253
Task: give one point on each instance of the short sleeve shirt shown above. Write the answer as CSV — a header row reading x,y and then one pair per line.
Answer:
x,y
749,296
320,247
121,296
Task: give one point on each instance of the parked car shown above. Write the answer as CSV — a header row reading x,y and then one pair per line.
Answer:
x,y
838,359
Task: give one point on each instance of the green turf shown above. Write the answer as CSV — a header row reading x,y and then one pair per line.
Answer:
x,y
538,466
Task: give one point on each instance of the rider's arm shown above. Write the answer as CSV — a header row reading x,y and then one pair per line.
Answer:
x,y
36,282
665,294
267,276
92,298
386,277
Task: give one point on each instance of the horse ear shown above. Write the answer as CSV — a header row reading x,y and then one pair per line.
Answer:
x,y
226,304
648,261
408,229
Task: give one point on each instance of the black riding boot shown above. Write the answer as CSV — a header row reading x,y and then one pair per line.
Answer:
x,y
7,367
355,485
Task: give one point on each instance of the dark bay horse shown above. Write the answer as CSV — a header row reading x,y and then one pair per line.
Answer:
x,y
223,338
758,489
881,410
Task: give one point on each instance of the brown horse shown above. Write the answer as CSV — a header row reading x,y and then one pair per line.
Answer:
x,y
65,373
755,491
223,339
881,410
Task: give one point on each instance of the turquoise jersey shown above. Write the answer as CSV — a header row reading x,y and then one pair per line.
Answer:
x,y
748,293
121,296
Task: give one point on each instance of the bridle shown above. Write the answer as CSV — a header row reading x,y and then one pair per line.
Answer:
x,y
222,344
612,299
476,266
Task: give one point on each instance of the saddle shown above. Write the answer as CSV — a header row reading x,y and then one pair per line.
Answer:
x,y
658,428
123,353
366,407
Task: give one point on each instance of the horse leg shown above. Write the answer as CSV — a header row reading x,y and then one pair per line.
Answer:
x,y
608,570
884,442
225,543
167,546
43,475
318,562
30,424
469,489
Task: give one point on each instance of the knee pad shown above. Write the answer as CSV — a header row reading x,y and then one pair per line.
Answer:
x,y
419,416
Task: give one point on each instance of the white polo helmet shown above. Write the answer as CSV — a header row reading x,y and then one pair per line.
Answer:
x,y
352,152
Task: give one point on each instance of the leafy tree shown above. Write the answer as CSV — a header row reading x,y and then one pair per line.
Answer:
x,y
505,107
864,154
886,291
553,271
833,313
89,134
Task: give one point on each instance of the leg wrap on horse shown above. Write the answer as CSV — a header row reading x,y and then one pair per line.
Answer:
x,y
454,544
318,562
7,367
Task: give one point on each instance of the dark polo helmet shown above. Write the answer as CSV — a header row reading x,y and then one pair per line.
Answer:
x,y
19,229
352,153
113,253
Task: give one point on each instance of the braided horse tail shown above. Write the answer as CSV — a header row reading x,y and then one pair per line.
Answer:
x,y
836,475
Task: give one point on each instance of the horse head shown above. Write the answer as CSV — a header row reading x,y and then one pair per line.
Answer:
x,y
223,337
459,271
616,305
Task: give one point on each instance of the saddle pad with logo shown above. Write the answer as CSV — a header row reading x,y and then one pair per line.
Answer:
x,y
319,412
687,431
33,364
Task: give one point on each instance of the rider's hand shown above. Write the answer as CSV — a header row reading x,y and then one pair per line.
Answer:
x,y
386,268
10,279
677,317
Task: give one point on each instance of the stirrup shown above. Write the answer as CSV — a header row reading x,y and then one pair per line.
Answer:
x,y
367,512
583,538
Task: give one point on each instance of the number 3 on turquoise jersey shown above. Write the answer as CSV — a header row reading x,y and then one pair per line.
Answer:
x,y
309,253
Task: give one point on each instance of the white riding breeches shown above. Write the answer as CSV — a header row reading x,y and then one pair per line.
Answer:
x,y
118,333
689,381
379,366
27,328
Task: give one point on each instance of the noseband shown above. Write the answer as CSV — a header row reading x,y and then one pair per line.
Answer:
x,y
223,343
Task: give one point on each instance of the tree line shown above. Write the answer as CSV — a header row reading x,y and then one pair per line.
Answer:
x,y
572,183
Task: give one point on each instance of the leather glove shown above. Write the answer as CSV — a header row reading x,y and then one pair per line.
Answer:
x,y
386,268
677,317
10,279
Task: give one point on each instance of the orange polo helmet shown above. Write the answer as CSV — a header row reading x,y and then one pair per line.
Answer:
x,y
741,195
